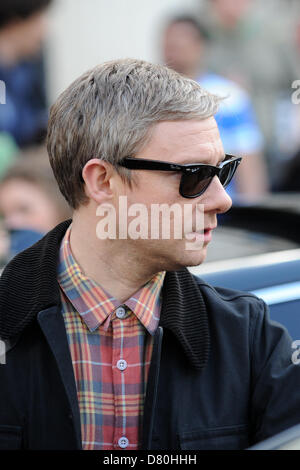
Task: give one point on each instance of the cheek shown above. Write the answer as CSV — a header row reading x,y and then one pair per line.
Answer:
x,y
150,195
159,188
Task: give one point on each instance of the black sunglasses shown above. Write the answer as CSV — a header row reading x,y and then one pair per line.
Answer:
x,y
195,178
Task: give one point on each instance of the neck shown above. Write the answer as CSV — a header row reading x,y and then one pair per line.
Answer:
x,y
114,266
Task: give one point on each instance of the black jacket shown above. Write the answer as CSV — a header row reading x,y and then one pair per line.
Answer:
x,y
221,375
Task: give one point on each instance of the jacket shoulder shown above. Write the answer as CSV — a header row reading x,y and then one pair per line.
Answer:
x,y
238,303
224,293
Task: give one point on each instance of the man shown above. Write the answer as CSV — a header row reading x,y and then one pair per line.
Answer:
x,y
110,342
186,50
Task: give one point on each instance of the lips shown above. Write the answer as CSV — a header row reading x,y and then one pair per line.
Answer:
x,y
210,228
204,236
207,235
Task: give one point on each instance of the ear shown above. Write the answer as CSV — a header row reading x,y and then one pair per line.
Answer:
x,y
97,175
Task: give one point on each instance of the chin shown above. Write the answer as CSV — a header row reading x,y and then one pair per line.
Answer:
x,y
177,257
196,260
191,258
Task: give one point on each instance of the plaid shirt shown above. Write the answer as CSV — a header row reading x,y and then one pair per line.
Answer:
x,y
111,346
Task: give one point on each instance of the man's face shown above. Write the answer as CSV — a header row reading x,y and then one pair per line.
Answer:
x,y
180,142
182,48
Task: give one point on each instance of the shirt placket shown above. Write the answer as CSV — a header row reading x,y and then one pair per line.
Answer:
x,y
120,367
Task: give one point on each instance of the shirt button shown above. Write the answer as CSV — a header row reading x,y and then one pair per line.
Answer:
x,y
121,364
123,442
121,312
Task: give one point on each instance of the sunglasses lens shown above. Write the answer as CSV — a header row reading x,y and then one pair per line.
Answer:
x,y
194,184
227,172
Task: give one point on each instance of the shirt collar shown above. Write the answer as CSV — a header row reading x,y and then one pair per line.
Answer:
x,y
94,304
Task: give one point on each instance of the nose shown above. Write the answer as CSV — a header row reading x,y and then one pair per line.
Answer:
x,y
215,198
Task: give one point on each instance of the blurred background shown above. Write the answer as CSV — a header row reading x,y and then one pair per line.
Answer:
x,y
247,51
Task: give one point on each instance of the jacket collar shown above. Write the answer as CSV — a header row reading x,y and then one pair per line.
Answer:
x,y
29,284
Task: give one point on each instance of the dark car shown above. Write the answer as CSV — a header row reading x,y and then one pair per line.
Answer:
x,y
257,249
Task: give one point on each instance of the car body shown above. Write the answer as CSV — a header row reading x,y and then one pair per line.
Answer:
x,y
257,250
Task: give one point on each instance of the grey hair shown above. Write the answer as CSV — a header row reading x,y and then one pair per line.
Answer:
x,y
108,113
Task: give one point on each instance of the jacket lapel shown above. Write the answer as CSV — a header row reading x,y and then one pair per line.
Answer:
x,y
52,324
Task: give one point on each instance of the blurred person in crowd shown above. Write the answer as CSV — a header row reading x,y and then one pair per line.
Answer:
x,y
112,342
250,43
22,31
184,49
30,201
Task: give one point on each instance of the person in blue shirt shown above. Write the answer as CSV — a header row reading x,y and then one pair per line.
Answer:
x,y
184,50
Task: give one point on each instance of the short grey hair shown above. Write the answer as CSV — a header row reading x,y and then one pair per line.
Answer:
x,y
108,113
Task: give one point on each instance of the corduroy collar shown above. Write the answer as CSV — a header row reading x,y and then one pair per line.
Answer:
x,y
29,284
